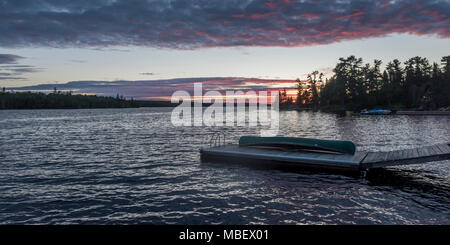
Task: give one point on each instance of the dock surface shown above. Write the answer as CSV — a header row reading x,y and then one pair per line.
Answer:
x,y
358,161
406,156
424,113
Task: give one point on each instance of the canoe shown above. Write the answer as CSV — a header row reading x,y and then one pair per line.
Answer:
x,y
338,146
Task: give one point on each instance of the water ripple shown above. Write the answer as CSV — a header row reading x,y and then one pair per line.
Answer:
x,y
131,166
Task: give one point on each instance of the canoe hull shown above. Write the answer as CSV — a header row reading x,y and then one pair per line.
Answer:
x,y
277,158
339,146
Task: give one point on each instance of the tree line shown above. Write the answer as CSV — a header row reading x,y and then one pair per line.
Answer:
x,y
354,85
60,100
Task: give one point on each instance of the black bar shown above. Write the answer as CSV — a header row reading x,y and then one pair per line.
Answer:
x,y
203,234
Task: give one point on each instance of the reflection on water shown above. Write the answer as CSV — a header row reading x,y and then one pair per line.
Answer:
x,y
131,166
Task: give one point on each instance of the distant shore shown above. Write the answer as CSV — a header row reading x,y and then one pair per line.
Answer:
x,y
66,100
61,100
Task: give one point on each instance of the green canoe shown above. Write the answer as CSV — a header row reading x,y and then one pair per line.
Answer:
x,y
339,146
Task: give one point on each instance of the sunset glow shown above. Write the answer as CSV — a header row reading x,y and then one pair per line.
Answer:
x,y
87,47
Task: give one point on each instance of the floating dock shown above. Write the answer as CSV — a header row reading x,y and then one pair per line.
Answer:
x,y
360,161
424,113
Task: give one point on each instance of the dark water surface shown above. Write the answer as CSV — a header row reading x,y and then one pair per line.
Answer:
x,y
131,166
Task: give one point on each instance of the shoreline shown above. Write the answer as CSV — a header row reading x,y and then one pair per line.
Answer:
x,y
340,112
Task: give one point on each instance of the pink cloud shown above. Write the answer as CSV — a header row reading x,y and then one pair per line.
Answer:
x,y
219,23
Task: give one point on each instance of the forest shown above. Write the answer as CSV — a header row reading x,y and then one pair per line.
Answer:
x,y
355,85
60,100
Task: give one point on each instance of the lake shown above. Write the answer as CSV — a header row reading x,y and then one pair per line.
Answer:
x,y
131,166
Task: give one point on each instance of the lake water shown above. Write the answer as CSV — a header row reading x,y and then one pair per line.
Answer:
x,y
131,166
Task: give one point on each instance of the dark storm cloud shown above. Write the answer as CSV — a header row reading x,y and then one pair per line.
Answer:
x,y
211,23
159,89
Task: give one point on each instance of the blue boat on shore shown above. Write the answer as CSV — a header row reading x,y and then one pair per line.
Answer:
x,y
375,112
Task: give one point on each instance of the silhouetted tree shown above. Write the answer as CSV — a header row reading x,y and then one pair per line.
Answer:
x,y
395,77
418,73
314,80
303,94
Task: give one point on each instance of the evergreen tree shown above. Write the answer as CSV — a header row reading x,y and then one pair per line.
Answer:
x,y
314,79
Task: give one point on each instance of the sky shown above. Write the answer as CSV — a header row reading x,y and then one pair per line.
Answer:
x,y
147,49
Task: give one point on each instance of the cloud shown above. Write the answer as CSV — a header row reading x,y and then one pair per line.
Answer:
x,y
194,24
77,61
10,70
8,77
161,89
9,59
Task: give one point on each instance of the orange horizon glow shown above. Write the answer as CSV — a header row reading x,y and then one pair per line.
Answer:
x,y
291,92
